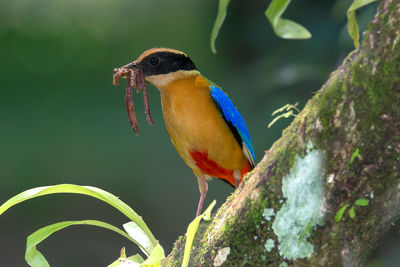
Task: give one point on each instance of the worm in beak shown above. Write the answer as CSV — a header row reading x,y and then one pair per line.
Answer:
x,y
134,78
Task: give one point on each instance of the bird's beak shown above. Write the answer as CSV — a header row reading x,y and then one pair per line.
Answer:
x,y
132,66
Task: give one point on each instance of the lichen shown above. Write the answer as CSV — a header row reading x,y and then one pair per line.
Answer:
x,y
221,256
268,213
269,244
303,188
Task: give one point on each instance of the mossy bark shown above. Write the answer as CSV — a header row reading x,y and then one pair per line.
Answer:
x,y
358,109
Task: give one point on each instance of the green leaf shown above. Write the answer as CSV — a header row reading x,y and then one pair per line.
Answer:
x,y
361,202
284,28
154,260
191,232
123,261
36,259
356,154
340,212
136,258
289,108
352,26
286,107
307,230
139,235
85,190
352,213
223,5
122,253
284,115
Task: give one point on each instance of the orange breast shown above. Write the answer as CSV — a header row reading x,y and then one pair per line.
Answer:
x,y
198,131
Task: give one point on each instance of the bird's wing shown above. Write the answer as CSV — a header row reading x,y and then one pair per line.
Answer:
x,y
234,120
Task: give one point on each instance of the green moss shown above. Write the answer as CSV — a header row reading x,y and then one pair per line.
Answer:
x,y
263,167
241,236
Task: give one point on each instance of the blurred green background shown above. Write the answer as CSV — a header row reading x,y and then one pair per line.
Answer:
x,y
62,121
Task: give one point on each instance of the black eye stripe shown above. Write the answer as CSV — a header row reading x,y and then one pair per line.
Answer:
x,y
154,61
165,62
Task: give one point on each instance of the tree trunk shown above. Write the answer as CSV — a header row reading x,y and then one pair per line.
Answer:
x,y
344,146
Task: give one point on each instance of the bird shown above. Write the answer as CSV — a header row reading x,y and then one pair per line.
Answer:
x,y
203,123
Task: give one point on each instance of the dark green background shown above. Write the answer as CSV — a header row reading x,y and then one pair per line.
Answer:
x,y
62,121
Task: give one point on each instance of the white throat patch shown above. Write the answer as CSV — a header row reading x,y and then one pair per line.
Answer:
x,y
163,80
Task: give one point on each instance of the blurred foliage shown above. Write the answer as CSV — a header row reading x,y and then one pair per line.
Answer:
x,y
62,121
222,9
136,230
352,25
291,111
284,28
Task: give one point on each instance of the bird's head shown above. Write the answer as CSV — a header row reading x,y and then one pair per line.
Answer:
x,y
158,66
161,66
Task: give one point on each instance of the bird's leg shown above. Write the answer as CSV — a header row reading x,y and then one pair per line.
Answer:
x,y
201,201
203,187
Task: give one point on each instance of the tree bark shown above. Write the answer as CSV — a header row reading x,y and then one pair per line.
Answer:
x,y
343,146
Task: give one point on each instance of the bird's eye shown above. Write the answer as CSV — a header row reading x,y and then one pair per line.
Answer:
x,y
154,61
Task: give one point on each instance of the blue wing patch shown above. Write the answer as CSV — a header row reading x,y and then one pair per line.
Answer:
x,y
234,120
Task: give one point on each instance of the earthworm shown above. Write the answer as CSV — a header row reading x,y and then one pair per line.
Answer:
x,y
129,105
142,86
134,78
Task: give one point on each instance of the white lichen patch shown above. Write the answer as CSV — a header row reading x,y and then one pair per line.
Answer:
x,y
269,245
268,213
221,256
331,178
304,208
